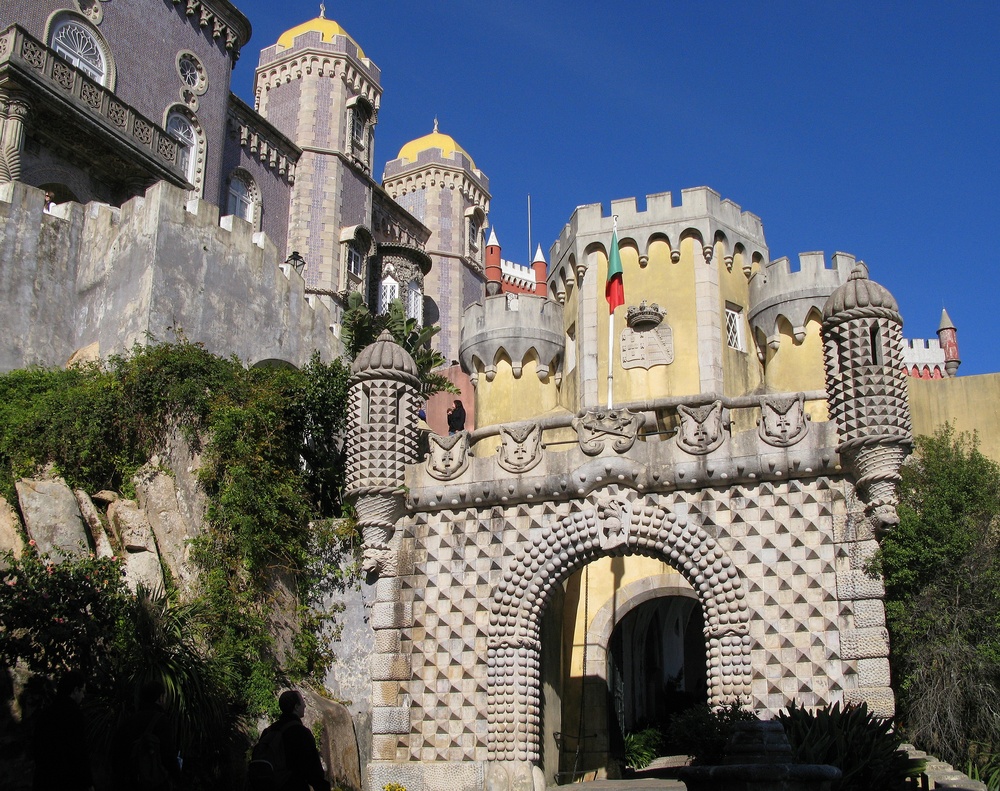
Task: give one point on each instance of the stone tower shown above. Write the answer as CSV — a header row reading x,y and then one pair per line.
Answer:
x,y
866,390
436,180
317,86
383,401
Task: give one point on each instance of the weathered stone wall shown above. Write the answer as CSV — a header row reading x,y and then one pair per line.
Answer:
x,y
158,266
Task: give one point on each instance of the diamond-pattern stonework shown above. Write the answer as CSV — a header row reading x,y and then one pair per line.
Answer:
x,y
764,559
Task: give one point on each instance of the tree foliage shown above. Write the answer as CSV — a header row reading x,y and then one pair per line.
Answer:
x,y
271,442
361,327
942,575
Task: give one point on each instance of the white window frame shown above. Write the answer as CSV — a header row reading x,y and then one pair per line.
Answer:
x,y
387,292
181,128
735,332
240,203
414,302
355,260
75,42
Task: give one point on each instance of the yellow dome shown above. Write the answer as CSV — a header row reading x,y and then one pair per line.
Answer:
x,y
435,139
327,27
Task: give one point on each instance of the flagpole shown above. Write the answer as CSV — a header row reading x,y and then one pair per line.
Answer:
x,y
611,361
612,256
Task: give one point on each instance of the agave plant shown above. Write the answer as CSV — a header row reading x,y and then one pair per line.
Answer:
x,y
864,747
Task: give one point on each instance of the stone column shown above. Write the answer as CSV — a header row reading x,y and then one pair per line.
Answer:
x,y
14,111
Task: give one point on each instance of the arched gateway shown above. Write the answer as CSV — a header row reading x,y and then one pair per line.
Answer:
x,y
616,525
769,518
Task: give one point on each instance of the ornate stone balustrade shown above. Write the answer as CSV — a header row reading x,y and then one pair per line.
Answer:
x,y
56,92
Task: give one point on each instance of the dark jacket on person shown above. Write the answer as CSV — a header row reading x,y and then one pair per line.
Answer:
x,y
301,756
456,418
59,747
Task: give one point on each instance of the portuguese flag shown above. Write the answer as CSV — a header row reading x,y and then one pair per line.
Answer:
x,y
615,289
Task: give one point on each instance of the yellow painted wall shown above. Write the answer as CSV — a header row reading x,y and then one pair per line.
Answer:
x,y
507,399
669,285
741,371
607,575
794,366
971,403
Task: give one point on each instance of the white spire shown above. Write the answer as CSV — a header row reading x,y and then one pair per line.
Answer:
x,y
538,256
492,241
322,10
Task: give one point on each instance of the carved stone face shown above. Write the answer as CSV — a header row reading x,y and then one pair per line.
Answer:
x,y
521,447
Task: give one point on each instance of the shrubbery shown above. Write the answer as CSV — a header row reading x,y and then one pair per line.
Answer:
x,y
864,747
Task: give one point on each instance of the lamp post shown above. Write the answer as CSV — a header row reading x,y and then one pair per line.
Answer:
x,y
297,261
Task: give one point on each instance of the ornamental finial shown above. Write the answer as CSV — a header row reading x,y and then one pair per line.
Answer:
x,y
322,10
435,123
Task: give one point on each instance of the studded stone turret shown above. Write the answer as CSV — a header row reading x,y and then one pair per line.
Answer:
x,y
383,402
866,389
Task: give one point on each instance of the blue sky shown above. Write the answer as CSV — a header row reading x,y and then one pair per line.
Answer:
x,y
866,127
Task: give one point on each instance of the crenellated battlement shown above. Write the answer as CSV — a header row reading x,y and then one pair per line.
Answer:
x,y
517,274
778,292
514,325
702,214
101,278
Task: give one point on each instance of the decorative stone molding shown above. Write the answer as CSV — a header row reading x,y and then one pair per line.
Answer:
x,y
514,684
490,330
595,429
262,141
702,429
783,421
521,447
646,341
226,22
449,456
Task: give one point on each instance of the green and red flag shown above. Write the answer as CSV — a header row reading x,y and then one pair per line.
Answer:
x,y
615,289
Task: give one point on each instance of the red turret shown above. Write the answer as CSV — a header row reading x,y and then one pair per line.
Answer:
x,y
948,337
494,274
541,272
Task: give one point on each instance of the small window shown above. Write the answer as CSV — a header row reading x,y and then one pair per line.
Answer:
x,y
734,329
473,234
240,198
182,130
875,342
358,121
387,293
355,261
414,302
192,72
75,42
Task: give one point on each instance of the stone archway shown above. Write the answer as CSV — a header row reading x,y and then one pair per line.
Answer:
x,y
605,525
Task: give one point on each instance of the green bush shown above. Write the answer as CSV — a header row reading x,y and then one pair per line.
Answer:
x,y
864,747
641,747
701,732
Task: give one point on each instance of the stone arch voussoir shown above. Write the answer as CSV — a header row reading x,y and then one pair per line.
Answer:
x,y
605,525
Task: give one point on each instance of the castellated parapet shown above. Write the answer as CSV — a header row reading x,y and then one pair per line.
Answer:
x,y
512,325
778,292
702,214
102,279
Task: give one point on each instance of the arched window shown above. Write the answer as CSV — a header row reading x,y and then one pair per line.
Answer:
x,y
387,293
77,43
242,197
179,126
414,302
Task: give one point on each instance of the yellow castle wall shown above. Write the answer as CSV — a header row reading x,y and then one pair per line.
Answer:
x,y
971,403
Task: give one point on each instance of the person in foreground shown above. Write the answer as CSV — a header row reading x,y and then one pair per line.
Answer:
x,y
300,756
